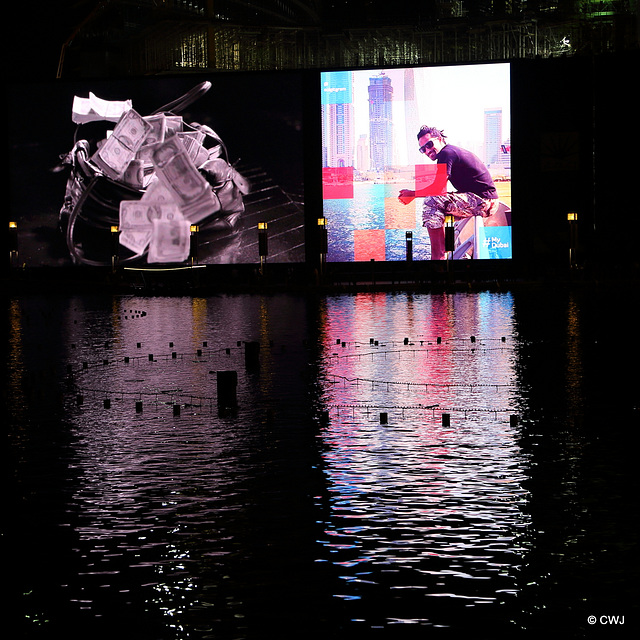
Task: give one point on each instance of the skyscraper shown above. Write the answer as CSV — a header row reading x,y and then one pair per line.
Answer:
x,y
363,157
380,121
337,120
492,136
412,124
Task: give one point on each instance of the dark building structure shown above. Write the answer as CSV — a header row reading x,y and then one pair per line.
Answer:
x,y
124,37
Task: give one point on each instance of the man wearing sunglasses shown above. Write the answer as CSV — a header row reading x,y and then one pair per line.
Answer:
x,y
475,191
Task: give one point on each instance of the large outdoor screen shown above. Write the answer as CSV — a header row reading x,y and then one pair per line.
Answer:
x,y
158,171
392,191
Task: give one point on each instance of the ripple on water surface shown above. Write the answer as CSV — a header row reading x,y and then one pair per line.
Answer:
x,y
370,475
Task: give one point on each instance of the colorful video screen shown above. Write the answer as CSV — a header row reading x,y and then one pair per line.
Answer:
x,y
158,171
393,190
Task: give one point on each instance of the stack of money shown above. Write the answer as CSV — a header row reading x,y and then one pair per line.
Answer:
x,y
180,176
174,124
170,241
157,226
194,144
94,109
135,225
158,124
134,174
120,148
162,126
176,197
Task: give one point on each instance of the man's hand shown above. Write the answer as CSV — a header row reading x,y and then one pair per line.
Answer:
x,y
406,196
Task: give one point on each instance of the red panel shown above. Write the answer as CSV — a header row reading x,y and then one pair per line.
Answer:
x,y
337,182
432,178
369,244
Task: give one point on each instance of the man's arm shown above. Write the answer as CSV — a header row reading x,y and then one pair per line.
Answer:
x,y
433,184
407,195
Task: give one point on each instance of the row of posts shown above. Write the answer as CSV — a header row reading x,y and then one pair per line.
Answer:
x,y
226,381
446,419
263,250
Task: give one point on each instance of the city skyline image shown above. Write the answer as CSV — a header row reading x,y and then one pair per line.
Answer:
x,y
370,120
387,107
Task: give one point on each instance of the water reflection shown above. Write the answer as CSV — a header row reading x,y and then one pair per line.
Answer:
x,y
394,462
178,516
427,505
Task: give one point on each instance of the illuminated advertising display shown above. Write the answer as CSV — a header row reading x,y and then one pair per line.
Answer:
x,y
417,160
158,171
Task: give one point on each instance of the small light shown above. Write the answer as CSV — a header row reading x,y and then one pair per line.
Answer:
x,y
263,250
572,216
322,222
449,220
13,239
115,228
194,228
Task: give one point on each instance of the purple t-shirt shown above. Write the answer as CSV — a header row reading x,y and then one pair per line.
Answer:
x,y
467,173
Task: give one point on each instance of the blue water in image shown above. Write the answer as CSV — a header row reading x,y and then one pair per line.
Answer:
x,y
366,211
401,465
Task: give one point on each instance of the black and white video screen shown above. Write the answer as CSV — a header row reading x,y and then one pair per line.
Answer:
x,y
158,171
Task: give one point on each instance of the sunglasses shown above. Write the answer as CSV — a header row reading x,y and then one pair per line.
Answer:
x,y
425,146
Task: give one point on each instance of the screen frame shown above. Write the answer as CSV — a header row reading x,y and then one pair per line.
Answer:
x,y
408,243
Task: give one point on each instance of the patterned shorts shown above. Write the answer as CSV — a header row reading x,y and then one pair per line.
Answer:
x,y
460,205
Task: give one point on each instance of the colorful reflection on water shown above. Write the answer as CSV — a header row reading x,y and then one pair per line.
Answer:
x,y
425,475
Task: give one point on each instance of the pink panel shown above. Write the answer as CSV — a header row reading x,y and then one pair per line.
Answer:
x,y
369,244
337,182
432,178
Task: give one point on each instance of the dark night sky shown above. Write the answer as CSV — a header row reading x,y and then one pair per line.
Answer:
x,y
37,43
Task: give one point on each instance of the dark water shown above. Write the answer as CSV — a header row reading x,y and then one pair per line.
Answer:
x,y
396,465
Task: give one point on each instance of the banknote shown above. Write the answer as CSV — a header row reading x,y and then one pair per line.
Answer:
x,y
156,191
136,240
145,155
131,129
193,143
174,124
137,218
135,226
134,174
170,241
156,133
143,212
120,148
179,174
196,136
112,158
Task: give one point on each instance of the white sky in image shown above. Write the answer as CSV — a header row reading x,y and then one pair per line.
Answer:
x,y
452,98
